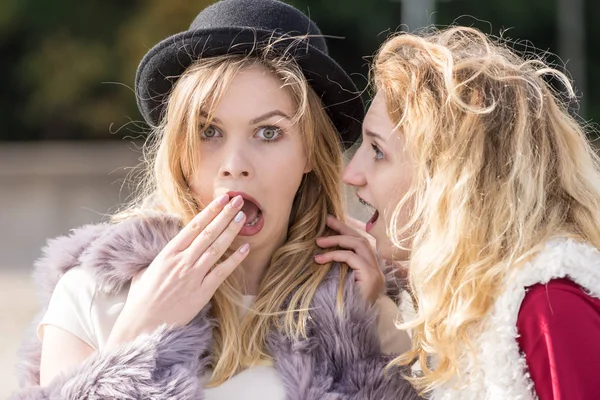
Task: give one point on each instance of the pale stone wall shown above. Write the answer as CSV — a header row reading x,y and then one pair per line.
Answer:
x,y
46,189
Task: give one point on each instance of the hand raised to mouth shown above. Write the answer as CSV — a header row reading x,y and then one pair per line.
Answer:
x,y
185,275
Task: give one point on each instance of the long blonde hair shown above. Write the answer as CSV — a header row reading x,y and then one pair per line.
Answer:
x,y
500,167
292,277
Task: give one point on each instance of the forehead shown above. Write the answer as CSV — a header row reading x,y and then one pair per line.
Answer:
x,y
255,89
377,118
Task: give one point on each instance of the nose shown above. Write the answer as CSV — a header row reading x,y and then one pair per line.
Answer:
x,y
236,163
352,174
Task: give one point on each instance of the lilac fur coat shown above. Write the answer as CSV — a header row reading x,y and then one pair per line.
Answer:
x,y
340,358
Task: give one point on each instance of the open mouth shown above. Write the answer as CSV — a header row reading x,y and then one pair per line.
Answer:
x,y
371,222
254,214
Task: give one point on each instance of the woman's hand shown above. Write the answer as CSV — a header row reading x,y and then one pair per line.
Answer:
x,y
185,275
358,251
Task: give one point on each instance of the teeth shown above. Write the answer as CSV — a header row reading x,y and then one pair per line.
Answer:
x,y
364,203
253,222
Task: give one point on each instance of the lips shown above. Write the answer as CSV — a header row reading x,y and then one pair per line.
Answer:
x,y
254,214
371,222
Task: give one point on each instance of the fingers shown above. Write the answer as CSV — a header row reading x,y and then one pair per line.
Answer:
x,y
189,232
356,224
348,229
349,257
223,228
220,272
341,227
208,257
360,246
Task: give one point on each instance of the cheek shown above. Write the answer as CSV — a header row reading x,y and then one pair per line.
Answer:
x,y
202,183
391,190
283,172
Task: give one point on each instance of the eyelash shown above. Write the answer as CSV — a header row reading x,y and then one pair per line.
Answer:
x,y
377,151
206,139
279,132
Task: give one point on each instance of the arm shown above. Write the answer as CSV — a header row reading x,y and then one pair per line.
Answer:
x,y
161,365
55,359
341,356
357,250
559,327
151,344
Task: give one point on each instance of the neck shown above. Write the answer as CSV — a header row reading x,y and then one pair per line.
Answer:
x,y
256,263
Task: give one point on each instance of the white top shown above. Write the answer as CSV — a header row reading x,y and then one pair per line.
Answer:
x,y
78,308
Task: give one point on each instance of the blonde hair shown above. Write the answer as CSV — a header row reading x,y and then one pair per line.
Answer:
x,y
292,277
500,167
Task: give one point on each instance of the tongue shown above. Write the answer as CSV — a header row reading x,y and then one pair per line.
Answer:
x,y
371,222
250,209
374,217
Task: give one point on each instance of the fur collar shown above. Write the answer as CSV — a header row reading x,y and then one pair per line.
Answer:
x,y
501,370
340,358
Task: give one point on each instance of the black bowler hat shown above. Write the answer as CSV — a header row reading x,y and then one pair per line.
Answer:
x,y
240,27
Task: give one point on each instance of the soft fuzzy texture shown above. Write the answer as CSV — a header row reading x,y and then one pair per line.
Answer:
x,y
340,358
501,369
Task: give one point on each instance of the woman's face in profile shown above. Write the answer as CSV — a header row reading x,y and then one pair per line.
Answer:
x,y
381,171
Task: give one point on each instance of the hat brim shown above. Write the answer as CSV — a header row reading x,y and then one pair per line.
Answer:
x,y
166,61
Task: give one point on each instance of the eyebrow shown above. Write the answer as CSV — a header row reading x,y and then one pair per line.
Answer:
x,y
215,119
374,135
255,120
269,115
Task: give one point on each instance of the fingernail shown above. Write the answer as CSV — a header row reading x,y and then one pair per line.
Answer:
x,y
239,216
237,201
244,248
223,199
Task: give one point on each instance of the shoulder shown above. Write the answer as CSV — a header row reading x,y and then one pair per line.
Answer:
x,y
559,327
77,283
77,278
556,296
111,252
561,301
71,304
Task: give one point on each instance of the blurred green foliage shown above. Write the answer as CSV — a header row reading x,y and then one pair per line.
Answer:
x,y
68,66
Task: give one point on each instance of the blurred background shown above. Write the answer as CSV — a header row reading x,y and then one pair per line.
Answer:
x,y
70,130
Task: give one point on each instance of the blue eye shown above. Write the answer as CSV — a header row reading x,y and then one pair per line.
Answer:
x,y
378,153
210,132
269,133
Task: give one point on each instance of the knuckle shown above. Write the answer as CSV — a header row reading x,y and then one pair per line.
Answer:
x,y
214,208
219,272
208,233
183,263
213,251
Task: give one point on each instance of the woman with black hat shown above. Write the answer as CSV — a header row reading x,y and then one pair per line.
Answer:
x,y
206,287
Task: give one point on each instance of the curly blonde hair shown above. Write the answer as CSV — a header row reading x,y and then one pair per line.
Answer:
x,y
500,167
